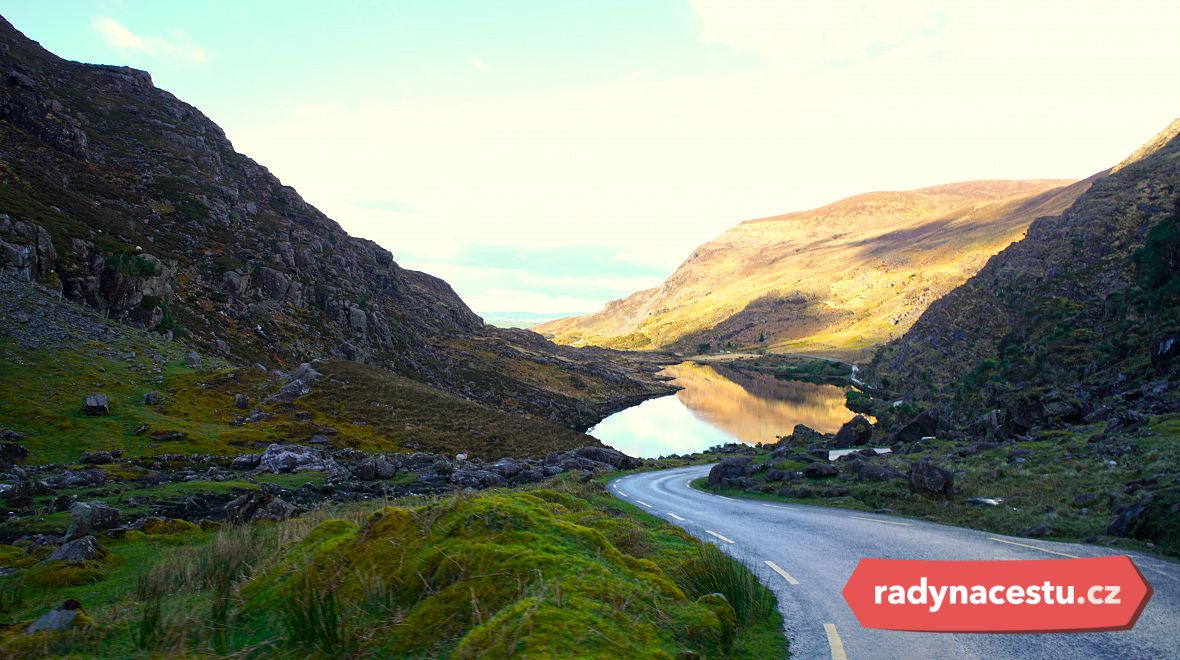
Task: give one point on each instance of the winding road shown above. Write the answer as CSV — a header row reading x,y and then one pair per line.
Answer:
x,y
806,554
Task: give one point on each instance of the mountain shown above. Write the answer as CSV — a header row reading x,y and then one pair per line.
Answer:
x,y
1080,321
836,280
130,201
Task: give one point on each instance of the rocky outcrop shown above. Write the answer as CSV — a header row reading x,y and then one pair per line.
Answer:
x,y
86,518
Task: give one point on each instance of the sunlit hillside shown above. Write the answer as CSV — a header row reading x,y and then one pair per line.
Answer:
x,y
837,280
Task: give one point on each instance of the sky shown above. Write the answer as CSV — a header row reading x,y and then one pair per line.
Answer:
x,y
549,156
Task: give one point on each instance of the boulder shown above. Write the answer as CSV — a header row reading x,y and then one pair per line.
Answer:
x,y
820,471
805,434
241,401
78,478
89,517
878,473
855,432
738,483
922,426
96,405
928,479
82,549
798,493
1039,529
373,469
97,457
612,457
152,398
730,467
263,504
529,476
1164,351
246,461
477,479
62,618
292,458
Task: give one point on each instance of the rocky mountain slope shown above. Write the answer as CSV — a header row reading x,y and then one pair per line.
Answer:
x,y
835,280
1078,321
132,202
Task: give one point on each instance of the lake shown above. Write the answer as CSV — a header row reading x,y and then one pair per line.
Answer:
x,y
718,405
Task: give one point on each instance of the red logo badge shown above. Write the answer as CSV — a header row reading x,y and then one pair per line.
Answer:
x,y
1044,595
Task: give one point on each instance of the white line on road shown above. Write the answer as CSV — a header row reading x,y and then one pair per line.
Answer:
x,y
1033,547
779,506
712,533
835,642
676,516
644,503
786,576
727,498
623,493
883,522
688,483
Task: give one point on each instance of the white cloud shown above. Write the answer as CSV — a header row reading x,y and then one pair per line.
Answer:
x,y
478,63
176,45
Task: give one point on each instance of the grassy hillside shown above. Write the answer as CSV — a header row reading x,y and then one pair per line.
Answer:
x,y
560,571
837,280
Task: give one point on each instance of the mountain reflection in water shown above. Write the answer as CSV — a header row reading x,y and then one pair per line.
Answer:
x,y
719,405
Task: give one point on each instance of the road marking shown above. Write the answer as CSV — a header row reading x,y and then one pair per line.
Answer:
x,y
779,506
883,522
676,516
623,493
786,576
688,483
644,503
727,498
712,533
1033,547
835,642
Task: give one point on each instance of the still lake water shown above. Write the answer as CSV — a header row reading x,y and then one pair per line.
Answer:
x,y
720,405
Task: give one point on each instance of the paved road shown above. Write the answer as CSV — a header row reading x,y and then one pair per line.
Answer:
x,y
818,547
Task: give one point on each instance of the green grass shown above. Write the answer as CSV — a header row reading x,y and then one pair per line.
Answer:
x,y
559,570
1041,489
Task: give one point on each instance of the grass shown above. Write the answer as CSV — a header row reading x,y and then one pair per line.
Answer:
x,y
1045,487
559,570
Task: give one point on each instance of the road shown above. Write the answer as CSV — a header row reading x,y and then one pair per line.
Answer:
x,y
814,550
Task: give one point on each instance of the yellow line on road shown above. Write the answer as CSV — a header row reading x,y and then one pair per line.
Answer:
x,y
786,576
883,522
1033,547
835,642
712,533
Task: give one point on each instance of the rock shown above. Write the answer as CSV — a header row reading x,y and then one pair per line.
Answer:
x,y
291,458
1019,455
246,461
54,620
1164,351
878,473
612,457
83,549
805,434
1126,517
529,476
263,504
508,467
928,479
799,493
11,453
241,401
737,483
922,426
89,517
820,471
97,457
855,432
96,405
1039,529
79,478
776,475
981,501
152,398
373,469
838,491
477,479
730,467
192,361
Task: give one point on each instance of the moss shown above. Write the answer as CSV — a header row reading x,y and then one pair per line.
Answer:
x,y
169,526
65,573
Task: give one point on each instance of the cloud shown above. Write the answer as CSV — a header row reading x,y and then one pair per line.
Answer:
x,y
478,63
177,45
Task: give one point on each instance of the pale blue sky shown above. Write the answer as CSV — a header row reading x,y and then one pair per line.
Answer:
x,y
550,156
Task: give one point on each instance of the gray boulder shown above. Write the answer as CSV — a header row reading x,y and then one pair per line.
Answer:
x,y
1039,529
730,467
878,473
293,458
58,619
97,457
83,549
855,432
96,405
477,479
241,401
245,461
928,479
89,517
820,471
152,398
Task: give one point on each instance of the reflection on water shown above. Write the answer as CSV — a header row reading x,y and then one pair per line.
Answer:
x,y
719,405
